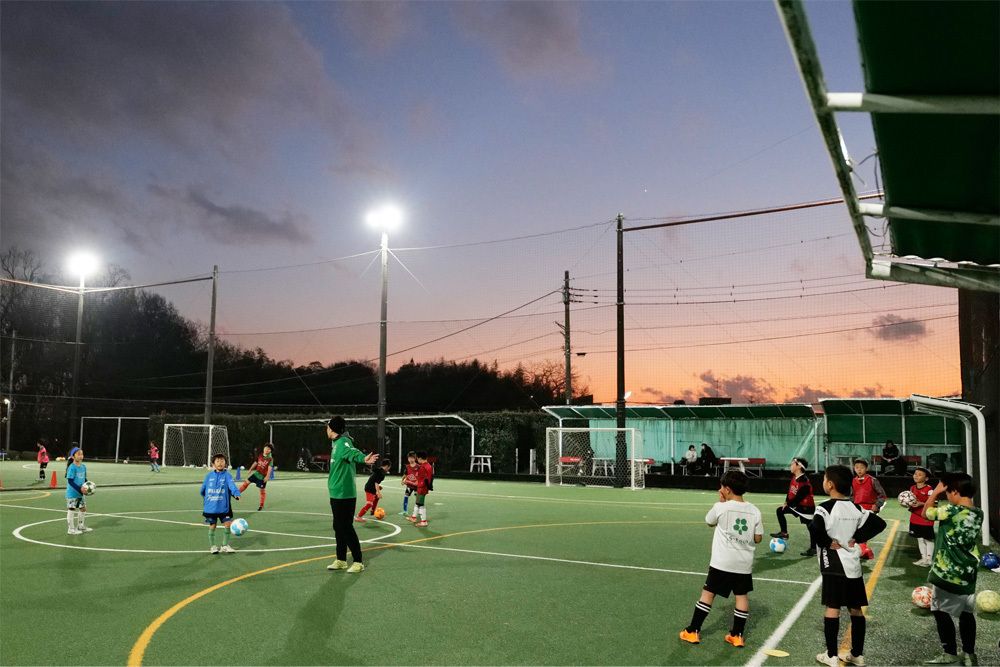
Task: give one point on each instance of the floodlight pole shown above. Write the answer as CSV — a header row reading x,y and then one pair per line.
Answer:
x,y
76,365
210,363
380,423
10,388
621,454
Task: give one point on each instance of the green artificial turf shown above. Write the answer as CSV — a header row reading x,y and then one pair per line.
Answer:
x,y
506,573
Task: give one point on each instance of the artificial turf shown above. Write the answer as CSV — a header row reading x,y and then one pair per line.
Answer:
x,y
506,573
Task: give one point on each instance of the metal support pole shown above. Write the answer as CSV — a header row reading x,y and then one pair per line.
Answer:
x,y
76,368
10,388
569,363
380,425
210,363
620,454
118,438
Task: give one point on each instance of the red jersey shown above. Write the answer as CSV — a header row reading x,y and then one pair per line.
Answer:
x,y
800,494
425,474
410,474
917,513
262,465
43,455
154,452
867,491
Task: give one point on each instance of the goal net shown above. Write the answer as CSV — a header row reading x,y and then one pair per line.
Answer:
x,y
595,457
194,444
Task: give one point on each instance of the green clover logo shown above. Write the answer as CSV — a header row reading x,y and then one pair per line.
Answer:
x,y
741,526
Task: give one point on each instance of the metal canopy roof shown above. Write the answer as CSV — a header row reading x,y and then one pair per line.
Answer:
x,y
866,406
932,87
751,411
437,421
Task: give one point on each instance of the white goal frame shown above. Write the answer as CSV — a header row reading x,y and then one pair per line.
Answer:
x,y
558,473
212,430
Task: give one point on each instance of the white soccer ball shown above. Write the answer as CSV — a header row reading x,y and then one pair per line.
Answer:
x,y
88,488
907,499
778,545
239,527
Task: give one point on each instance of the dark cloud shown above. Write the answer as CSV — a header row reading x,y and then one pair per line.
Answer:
x,y
233,224
741,388
894,327
807,394
530,39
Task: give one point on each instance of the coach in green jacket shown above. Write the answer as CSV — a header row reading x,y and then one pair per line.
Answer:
x,y
344,493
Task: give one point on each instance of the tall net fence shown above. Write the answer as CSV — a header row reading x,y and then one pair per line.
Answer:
x,y
595,457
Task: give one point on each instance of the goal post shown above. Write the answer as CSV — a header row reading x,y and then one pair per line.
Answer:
x,y
194,444
591,456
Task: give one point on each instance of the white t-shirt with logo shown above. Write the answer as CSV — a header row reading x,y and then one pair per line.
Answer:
x,y
733,544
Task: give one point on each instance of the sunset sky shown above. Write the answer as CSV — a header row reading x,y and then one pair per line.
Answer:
x,y
171,137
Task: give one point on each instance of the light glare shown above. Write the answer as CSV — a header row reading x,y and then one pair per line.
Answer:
x,y
386,218
82,264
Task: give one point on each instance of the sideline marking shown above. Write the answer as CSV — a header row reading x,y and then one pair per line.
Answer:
x,y
327,541
44,494
586,562
845,644
138,651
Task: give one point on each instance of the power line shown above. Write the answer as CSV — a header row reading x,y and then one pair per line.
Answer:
x,y
507,240
765,298
668,289
299,266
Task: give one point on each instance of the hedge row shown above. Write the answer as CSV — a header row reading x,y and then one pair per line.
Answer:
x,y
506,436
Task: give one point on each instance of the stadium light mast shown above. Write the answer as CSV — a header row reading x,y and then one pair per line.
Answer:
x,y
80,264
385,218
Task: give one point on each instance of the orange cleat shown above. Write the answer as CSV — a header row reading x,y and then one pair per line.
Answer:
x,y
735,640
690,637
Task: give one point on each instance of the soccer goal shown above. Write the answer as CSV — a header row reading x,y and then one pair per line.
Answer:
x,y
595,457
194,444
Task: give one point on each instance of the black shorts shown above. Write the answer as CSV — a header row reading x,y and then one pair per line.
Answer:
x,y
843,592
410,490
211,519
43,465
257,479
926,532
723,583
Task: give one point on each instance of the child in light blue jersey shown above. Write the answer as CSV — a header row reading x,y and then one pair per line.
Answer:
x,y
76,503
217,489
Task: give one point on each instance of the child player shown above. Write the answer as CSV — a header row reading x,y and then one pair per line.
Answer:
x,y
217,489
799,502
154,457
409,479
955,566
373,488
838,528
921,527
425,484
259,472
867,492
43,459
738,529
76,503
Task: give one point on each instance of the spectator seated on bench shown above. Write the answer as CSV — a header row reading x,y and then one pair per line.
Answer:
x,y
898,466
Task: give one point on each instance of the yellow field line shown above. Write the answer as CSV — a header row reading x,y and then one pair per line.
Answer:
x,y
138,651
44,494
873,580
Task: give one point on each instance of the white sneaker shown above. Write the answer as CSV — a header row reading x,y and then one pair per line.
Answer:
x,y
73,531
850,659
356,567
337,565
213,550
226,549
85,529
823,659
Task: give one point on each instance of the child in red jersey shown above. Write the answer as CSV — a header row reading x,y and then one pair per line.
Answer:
x,y
409,479
43,459
259,472
373,488
799,502
921,527
425,484
154,457
869,494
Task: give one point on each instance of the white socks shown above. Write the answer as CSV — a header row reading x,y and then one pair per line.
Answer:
x,y
71,519
423,513
80,516
926,548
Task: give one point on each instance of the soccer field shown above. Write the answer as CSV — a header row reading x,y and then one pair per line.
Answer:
x,y
506,573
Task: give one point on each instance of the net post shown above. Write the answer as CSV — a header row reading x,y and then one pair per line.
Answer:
x,y
118,438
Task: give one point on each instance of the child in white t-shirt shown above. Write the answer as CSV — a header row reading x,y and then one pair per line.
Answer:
x,y
738,530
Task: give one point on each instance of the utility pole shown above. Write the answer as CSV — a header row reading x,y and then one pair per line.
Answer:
x,y
621,453
210,363
381,446
76,366
569,365
10,388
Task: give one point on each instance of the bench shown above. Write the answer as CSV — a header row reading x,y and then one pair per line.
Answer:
x,y
908,462
757,465
320,462
569,463
480,463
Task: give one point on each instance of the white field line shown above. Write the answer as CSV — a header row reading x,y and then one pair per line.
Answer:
x,y
779,633
582,562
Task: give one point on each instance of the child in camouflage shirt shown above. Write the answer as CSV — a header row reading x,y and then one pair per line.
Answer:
x,y
954,566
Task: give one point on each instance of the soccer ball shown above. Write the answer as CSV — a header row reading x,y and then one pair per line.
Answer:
x,y
379,513
907,499
239,527
778,545
88,488
988,601
922,597
990,561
